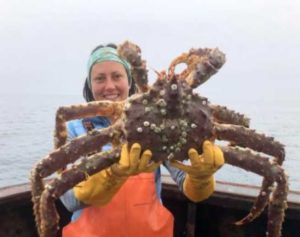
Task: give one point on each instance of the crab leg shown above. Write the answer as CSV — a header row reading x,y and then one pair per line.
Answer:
x,y
245,137
272,172
68,179
109,109
260,202
67,154
132,53
224,115
201,65
80,146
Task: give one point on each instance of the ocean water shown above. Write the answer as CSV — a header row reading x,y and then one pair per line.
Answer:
x,y
27,122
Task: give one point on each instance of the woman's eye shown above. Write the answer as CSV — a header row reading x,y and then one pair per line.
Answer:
x,y
99,79
118,76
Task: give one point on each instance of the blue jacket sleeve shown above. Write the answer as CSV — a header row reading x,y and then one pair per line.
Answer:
x,y
177,175
70,202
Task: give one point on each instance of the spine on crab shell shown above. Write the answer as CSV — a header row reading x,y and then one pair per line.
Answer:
x,y
224,115
173,97
68,179
132,53
271,172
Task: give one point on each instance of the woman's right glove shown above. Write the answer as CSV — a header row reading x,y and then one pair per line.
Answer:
x,y
99,188
199,182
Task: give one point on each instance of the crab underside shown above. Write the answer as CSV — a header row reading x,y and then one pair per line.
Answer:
x,y
167,118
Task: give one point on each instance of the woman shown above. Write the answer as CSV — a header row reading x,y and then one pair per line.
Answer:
x,y
124,200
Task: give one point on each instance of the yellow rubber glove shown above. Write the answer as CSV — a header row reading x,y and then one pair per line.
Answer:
x,y
99,188
199,182
132,163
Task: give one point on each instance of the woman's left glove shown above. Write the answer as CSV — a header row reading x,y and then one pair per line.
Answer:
x,y
100,188
199,182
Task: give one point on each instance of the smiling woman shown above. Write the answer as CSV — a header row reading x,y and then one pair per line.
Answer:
x,y
109,76
109,81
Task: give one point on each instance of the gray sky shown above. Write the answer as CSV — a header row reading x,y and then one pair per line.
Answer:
x,y
44,45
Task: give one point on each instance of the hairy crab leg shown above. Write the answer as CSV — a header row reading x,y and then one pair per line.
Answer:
x,y
67,180
66,154
201,65
132,53
260,203
109,109
261,165
224,115
245,137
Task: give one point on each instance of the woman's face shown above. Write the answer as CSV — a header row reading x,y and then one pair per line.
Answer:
x,y
109,81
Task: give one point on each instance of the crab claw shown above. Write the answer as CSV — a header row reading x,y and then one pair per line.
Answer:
x,y
216,58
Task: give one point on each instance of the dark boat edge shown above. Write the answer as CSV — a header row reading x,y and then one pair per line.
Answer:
x,y
230,202
236,191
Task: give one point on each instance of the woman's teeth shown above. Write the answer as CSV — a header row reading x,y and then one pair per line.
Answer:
x,y
111,97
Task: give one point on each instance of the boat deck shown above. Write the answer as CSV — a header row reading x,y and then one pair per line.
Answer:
x,y
211,218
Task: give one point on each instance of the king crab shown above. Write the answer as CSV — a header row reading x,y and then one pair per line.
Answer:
x,y
174,119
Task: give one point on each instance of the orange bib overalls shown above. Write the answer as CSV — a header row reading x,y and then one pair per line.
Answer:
x,y
134,211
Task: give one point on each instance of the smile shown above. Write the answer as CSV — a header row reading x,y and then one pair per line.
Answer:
x,y
111,96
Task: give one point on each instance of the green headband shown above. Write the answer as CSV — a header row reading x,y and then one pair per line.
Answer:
x,y
107,54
